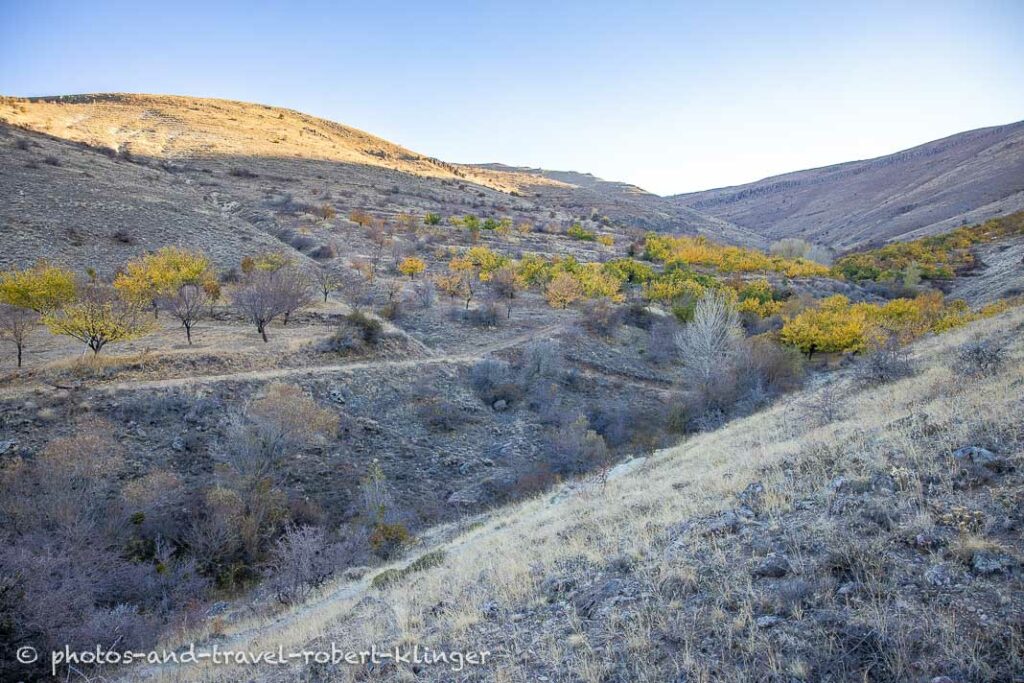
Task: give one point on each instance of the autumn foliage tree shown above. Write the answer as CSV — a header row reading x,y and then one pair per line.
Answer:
x,y
161,274
563,291
98,316
412,266
42,288
25,295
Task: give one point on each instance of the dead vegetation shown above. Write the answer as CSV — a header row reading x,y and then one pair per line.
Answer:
x,y
880,544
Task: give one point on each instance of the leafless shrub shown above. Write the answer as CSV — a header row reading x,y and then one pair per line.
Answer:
x,y
273,426
794,247
425,294
887,361
827,404
661,341
980,358
493,380
601,317
573,447
301,560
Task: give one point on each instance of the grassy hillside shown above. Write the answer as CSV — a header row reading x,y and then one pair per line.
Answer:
x,y
929,189
851,532
270,166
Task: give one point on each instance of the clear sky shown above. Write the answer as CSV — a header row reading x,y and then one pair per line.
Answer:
x,y
672,96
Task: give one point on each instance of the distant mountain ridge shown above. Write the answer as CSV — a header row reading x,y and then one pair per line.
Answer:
x,y
927,189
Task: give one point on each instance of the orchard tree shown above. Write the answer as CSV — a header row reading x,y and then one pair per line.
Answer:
x,y
468,272
563,291
98,316
188,305
326,280
27,294
42,288
268,294
15,325
412,266
293,291
506,283
450,284
162,274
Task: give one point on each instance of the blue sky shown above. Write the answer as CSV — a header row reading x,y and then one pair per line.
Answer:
x,y
672,96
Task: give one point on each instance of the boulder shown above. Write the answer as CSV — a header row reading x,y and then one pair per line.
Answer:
x,y
775,566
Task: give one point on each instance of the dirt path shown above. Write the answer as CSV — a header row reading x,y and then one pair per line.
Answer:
x,y
316,370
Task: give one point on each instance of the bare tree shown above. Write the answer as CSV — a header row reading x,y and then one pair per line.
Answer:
x,y
506,283
708,344
293,291
15,325
187,305
326,280
258,300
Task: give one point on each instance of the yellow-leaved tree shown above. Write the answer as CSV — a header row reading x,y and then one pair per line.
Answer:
x,y
162,274
831,326
98,316
563,290
27,294
42,288
412,266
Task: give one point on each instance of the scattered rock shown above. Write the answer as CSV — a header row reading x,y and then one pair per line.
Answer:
x,y
752,496
849,589
986,562
8,445
940,575
727,522
587,602
624,468
178,444
500,405
775,566
768,621
981,457
555,586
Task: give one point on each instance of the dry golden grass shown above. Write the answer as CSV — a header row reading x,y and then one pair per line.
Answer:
x,y
168,126
699,605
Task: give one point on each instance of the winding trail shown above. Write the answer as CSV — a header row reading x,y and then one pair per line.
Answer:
x,y
316,370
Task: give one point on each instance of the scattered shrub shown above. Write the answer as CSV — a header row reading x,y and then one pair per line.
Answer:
x,y
980,358
493,380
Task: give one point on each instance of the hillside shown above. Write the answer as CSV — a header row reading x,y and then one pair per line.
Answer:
x,y
261,170
851,532
932,188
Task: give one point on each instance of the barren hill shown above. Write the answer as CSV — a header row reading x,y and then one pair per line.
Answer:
x,y
932,188
231,172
